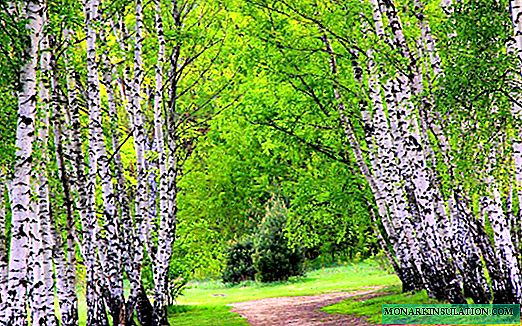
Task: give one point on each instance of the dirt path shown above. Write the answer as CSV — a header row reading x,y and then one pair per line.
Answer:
x,y
299,311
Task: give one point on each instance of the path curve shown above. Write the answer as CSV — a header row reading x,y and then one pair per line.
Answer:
x,y
299,311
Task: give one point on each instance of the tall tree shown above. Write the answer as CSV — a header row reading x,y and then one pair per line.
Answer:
x,y
21,190
96,313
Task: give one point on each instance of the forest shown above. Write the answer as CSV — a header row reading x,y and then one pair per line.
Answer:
x,y
146,146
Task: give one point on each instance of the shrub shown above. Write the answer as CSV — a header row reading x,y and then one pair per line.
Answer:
x,y
273,258
178,276
239,265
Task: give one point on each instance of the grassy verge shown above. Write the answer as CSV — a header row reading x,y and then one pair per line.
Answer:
x,y
205,303
372,308
217,315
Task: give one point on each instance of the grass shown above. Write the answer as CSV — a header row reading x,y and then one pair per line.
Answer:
x,y
218,315
372,308
205,303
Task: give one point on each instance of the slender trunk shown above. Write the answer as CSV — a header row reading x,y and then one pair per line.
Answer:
x,y
78,178
500,284
40,258
164,250
374,185
151,166
4,256
387,176
172,134
96,314
516,109
460,244
65,264
505,250
114,268
21,192
396,194
142,233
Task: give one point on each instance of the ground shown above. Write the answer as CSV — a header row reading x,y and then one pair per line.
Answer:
x,y
334,295
302,311
213,303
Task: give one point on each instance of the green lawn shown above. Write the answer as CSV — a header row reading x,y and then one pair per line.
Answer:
x,y
372,308
218,315
205,303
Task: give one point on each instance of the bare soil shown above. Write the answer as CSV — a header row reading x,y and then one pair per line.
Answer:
x,y
301,311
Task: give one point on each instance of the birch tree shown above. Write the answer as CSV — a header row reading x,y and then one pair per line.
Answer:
x,y
96,311
21,189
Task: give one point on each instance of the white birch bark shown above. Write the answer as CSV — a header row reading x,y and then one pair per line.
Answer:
x,y
21,203
505,250
172,133
164,251
96,314
400,244
385,171
4,256
463,248
129,232
412,161
114,269
142,232
65,263
42,292
396,196
516,18
122,199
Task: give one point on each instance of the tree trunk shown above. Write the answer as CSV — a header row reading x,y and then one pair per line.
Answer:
x,y
65,264
4,256
41,298
506,254
21,192
114,269
141,231
419,179
96,313
164,251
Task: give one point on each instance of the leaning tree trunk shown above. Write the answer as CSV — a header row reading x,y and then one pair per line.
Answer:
x,y
459,244
462,246
386,152
516,109
500,284
397,237
21,192
65,263
443,280
386,174
506,254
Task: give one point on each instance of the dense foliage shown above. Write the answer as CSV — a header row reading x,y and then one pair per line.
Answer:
x,y
273,258
267,255
239,265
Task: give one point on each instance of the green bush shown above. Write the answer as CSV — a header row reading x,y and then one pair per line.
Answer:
x,y
178,277
273,258
239,266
